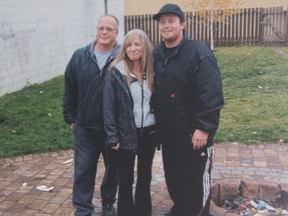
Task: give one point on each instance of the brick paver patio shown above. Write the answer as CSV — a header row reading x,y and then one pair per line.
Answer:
x,y
19,176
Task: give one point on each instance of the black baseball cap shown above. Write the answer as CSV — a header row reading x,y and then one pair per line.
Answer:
x,y
170,8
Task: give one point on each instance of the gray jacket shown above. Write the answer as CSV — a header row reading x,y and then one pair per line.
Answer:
x,y
123,114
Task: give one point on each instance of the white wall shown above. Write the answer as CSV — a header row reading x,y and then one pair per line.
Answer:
x,y
37,38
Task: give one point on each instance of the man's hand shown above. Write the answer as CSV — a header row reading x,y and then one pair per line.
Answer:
x,y
72,126
199,139
115,147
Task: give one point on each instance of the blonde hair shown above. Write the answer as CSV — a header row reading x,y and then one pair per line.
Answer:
x,y
146,61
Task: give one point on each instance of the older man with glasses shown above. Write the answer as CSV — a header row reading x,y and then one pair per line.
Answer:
x,y
82,109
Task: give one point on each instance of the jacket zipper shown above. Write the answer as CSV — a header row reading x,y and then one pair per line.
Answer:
x,y
93,59
142,107
165,64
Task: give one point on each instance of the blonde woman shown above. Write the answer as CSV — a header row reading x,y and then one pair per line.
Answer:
x,y
129,123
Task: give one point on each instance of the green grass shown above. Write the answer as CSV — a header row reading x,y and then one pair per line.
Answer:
x,y
256,95
256,99
33,120
285,48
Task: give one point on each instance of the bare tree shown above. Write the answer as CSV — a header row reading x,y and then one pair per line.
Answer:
x,y
213,11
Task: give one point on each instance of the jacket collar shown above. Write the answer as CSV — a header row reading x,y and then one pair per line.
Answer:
x,y
120,66
160,49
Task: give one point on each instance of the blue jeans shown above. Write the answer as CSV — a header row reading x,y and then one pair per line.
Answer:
x,y
88,145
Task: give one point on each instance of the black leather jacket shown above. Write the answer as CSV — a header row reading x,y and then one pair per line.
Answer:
x,y
188,91
118,112
83,96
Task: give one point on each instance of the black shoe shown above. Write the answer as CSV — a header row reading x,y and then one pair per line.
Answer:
x,y
108,210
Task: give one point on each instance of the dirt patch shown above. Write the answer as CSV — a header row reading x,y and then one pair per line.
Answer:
x,y
280,51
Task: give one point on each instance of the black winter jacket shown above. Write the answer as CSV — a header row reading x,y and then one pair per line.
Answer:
x,y
188,91
83,95
118,112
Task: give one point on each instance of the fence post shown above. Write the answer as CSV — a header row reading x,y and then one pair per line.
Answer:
x,y
286,24
261,25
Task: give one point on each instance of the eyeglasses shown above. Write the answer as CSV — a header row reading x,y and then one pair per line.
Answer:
x,y
102,29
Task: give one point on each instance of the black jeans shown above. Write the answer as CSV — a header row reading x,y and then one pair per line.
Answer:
x,y
125,161
147,142
88,145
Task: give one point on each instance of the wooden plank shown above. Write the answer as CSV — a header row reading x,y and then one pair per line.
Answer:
x,y
237,16
253,21
191,23
248,25
286,25
229,32
232,25
261,25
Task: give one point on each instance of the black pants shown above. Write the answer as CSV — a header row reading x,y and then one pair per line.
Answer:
x,y
125,160
187,174
88,145
147,141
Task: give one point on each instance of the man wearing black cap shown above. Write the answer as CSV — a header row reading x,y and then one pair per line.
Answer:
x,y
188,99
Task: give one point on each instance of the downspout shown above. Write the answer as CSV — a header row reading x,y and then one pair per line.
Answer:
x,y
105,6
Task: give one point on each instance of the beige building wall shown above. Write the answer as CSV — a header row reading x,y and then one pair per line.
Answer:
x,y
136,7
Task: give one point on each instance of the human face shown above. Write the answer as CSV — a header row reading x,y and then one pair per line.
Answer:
x,y
106,33
134,48
171,29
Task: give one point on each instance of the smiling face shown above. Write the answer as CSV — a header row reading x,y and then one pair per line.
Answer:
x,y
134,48
171,29
106,33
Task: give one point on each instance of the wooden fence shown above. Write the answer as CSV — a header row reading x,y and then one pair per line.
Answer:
x,y
242,26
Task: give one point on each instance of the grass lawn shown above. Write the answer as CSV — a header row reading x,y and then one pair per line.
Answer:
x,y
255,81
285,49
33,120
